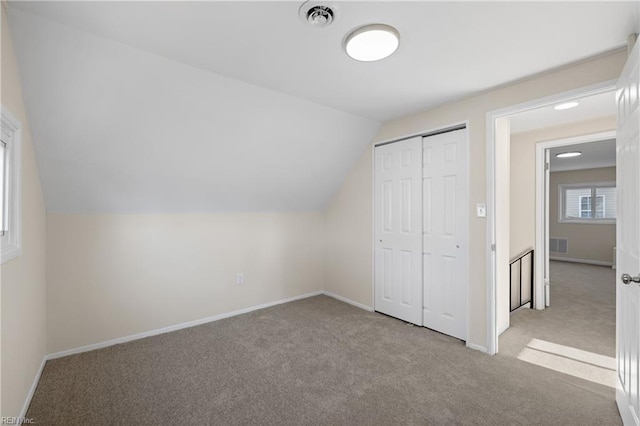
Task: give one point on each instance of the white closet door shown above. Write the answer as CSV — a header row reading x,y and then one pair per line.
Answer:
x,y
445,246
398,230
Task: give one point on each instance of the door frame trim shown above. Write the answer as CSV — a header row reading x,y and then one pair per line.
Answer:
x,y
540,246
492,165
457,125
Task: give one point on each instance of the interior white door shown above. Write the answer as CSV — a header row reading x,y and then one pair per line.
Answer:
x,y
547,177
445,222
398,229
628,241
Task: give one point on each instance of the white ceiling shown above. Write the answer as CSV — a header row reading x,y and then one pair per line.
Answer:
x,y
117,129
227,106
591,107
594,155
448,49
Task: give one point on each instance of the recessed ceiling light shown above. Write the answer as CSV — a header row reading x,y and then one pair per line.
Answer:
x,y
372,42
566,105
568,154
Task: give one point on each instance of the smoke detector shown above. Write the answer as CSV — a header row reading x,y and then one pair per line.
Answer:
x,y
316,14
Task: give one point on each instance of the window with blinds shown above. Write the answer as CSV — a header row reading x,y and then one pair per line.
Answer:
x,y
588,203
10,187
4,190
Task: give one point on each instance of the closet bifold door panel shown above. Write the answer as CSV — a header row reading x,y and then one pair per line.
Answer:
x,y
445,222
398,229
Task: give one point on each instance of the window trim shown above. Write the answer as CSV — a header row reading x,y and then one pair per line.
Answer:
x,y
12,242
562,187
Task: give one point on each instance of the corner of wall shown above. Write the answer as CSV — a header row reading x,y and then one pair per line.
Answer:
x,y
348,228
23,295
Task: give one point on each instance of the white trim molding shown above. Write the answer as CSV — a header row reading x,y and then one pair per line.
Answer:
x,y
12,241
562,214
201,321
32,389
349,301
476,347
586,261
168,329
176,327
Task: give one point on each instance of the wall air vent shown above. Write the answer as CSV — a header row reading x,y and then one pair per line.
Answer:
x,y
558,245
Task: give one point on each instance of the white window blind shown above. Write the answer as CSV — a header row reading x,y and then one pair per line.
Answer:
x,y
4,192
10,187
594,203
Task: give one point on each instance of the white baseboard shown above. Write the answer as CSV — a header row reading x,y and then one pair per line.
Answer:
x,y
194,323
503,329
176,327
476,347
349,301
525,306
587,261
183,325
32,390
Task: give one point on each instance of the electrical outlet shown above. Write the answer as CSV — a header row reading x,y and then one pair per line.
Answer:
x,y
240,278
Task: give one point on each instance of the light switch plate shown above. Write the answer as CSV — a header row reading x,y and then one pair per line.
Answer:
x,y
481,210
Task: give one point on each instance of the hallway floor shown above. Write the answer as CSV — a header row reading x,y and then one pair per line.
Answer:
x,y
582,316
582,312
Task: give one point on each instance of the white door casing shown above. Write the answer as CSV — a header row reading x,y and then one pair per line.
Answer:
x,y
445,246
398,229
628,240
547,179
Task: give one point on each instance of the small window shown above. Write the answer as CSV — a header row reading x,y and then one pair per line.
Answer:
x,y
4,193
587,203
10,173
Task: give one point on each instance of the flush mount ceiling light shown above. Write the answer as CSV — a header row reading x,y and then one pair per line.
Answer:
x,y
566,105
372,42
569,154
317,14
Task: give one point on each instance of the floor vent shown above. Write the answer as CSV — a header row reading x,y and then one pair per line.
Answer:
x,y
558,245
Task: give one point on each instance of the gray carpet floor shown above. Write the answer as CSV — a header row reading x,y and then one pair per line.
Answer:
x,y
582,312
316,361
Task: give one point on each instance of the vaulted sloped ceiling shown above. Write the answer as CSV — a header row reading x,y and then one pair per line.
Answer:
x,y
118,129
240,106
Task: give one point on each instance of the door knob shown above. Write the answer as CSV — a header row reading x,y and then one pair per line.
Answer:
x,y
626,279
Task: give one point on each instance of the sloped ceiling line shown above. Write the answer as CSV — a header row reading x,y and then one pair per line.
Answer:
x,y
121,130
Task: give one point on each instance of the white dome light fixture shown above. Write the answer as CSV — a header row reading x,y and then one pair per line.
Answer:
x,y
566,105
569,154
372,42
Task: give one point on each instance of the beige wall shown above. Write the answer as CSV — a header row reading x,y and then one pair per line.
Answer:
x,y
23,278
111,276
523,175
349,225
351,202
593,242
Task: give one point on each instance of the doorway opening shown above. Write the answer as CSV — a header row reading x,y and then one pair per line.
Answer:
x,y
519,135
561,198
